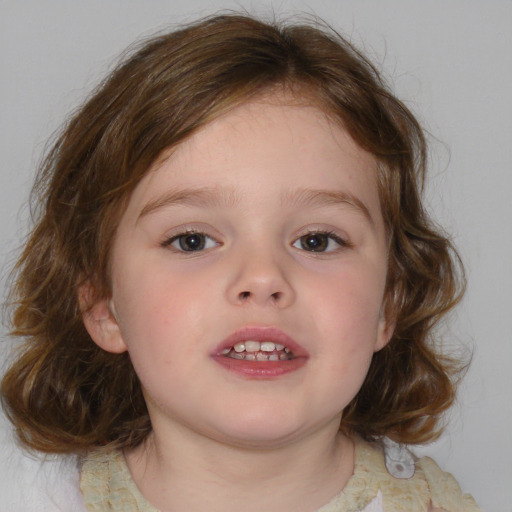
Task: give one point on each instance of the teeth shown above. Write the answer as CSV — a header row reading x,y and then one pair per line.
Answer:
x,y
256,346
252,346
258,351
259,356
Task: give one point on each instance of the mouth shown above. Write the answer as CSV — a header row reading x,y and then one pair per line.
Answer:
x,y
252,350
260,352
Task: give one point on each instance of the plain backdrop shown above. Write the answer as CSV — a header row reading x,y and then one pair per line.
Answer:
x,y
451,63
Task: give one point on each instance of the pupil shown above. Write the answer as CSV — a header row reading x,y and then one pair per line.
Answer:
x,y
192,242
315,242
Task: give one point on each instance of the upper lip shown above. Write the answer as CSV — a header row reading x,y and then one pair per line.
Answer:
x,y
256,333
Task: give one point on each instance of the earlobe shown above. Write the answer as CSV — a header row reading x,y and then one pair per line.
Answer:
x,y
100,321
385,332
387,321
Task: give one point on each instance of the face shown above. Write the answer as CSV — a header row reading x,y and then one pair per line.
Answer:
x,y
248,274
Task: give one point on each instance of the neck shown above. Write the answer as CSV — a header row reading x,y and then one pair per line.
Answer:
x,y
301,476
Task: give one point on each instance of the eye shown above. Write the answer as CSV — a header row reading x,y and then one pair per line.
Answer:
x,y
320,241
191,242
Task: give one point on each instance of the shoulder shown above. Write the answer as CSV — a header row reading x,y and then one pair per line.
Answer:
x,y
97,471
438,489
445,491
106,484
387,477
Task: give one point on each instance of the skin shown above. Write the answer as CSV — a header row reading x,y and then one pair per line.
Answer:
x,y
259,169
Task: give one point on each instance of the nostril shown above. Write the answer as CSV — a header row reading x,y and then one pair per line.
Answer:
x,y
247,296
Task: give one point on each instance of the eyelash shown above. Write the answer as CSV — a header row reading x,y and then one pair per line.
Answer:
x,y
205,242
329,236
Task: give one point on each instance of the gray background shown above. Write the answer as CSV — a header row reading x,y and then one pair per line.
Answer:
x,y
451,63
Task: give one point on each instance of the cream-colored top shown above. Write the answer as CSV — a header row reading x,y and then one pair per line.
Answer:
x,y
107,485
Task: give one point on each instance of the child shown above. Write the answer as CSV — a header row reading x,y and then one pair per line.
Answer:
x,y
228,297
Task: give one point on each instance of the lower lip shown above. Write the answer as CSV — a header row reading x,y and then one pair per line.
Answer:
x,y
261,369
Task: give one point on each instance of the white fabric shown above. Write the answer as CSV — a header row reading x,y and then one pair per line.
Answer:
x,y
375,505
399,460
33,483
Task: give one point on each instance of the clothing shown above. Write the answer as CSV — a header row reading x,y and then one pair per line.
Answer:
x,y
34,482
106,484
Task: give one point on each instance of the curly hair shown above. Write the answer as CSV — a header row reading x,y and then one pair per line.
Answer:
x,y
63,392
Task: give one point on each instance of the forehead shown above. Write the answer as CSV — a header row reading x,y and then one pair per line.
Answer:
x,y
268,129
264,147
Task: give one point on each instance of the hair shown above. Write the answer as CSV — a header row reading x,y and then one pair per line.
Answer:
x,y
64,393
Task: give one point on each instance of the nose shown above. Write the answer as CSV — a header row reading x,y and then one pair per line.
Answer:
x,y
260,279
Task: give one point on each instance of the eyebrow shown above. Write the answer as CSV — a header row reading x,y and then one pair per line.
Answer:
x,y
214,197
320,197
205,197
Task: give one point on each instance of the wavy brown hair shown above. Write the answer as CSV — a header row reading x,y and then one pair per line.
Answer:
x,y
65,394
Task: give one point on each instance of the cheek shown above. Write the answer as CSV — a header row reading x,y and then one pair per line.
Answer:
x,y
349,318
150,288
350,301
154,311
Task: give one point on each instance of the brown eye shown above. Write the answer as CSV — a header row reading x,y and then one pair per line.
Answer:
x,y
191,242
314,242
320,242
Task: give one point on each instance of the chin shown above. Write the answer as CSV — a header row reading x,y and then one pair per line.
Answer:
x,y
259,440
262,431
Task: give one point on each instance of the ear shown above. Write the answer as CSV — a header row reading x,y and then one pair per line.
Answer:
x,y
386,329
100,321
